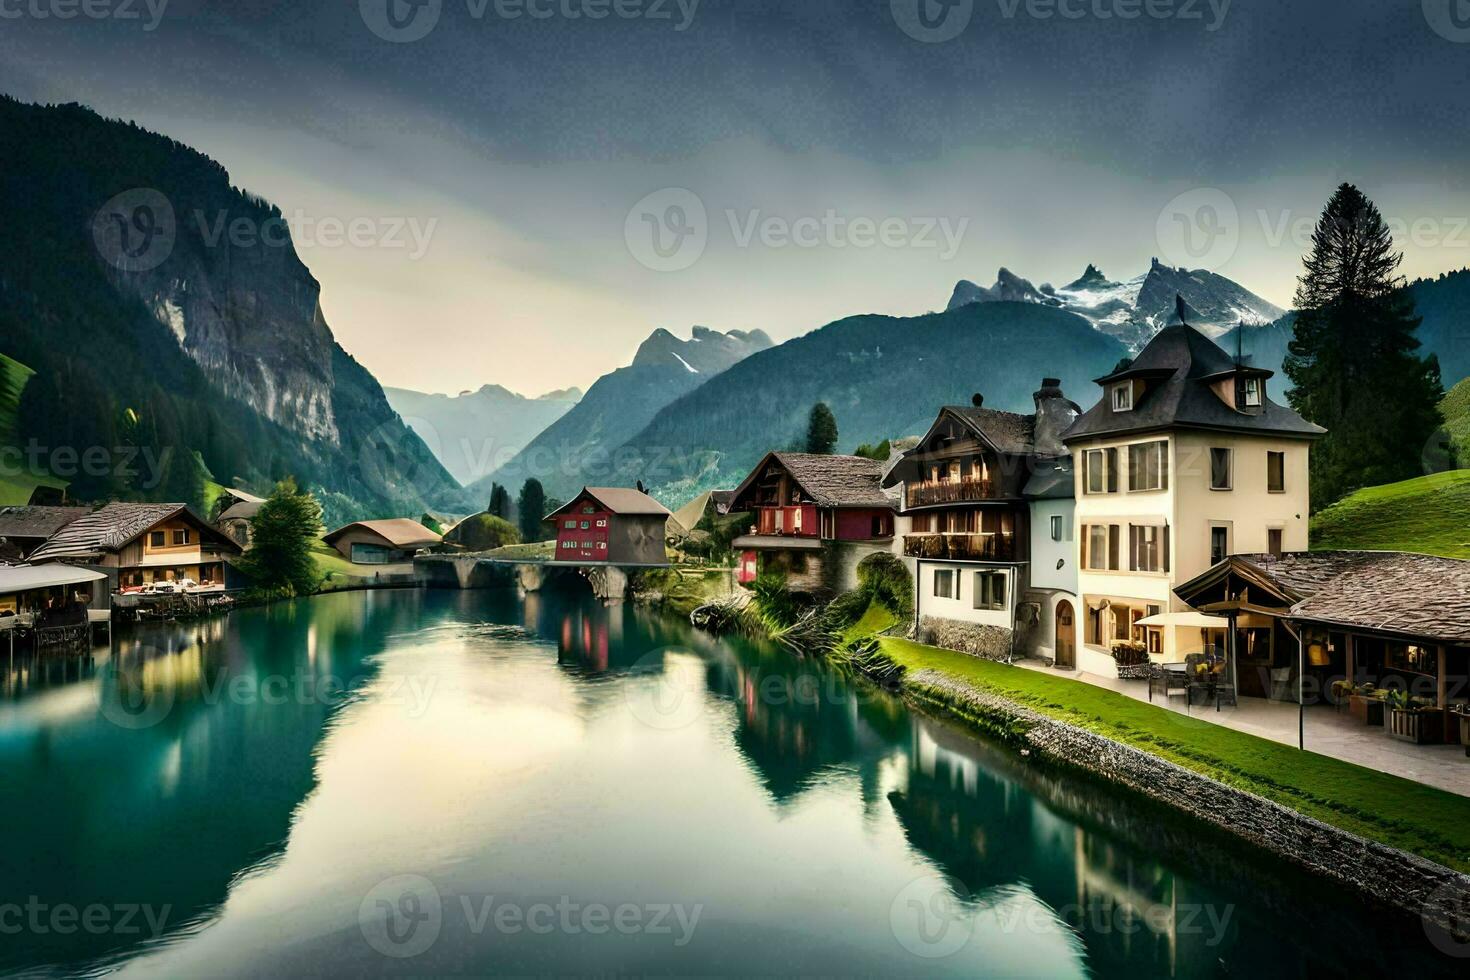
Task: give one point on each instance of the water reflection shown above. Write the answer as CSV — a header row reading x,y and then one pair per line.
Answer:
x,y
257,775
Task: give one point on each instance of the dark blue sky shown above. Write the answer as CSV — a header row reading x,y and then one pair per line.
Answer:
x,y
1041,136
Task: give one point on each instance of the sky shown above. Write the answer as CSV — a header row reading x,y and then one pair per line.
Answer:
x,y
534,186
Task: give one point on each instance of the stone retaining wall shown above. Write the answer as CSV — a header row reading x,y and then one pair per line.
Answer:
x,y
986,642
1438,895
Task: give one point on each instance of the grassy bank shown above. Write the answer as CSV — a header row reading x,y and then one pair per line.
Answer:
x,y
1394,811
1430,515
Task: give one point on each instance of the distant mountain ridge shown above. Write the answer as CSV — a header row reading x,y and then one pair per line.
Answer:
x,y
577,449
1135,309
473,432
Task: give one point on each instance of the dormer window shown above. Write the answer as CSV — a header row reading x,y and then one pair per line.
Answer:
x,y
1123,397
1252,393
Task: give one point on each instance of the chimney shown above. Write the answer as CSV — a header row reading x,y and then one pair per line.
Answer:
x,y
978,400
1054,416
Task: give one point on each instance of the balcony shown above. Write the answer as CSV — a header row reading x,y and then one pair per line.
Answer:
x,y
797,522
986,546
949,492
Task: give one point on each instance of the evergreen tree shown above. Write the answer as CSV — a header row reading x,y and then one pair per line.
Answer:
x,y
282,534
821,430
1353,360
532,507
499,502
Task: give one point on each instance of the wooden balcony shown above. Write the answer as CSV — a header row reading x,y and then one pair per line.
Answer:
x,y
961,547
949,492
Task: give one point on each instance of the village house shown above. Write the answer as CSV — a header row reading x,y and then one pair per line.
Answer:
x,y
987,496
816,517
1184,461
234,509
611,525
143,545
386,542
24,529
50,604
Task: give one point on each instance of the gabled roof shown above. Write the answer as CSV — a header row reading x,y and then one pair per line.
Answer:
x,y
244,511
37,522
115,526
400,532
617,500
1008,432
1379,591
1179,366
830,481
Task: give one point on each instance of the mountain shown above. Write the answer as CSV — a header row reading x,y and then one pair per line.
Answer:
x,y
472,432
166,311
1135,309
578,449
881,376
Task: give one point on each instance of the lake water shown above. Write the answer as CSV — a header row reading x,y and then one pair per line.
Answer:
x,y
444,783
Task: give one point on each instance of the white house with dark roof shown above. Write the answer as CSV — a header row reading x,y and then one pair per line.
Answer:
x,y
1184,461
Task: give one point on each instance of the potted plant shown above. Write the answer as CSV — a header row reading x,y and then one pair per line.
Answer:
x,y
1416,720
1132,660
1342,692
1367,703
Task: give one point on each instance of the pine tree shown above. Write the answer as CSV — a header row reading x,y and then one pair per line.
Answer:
x,y
532,507
821,430
1353,359
499,502
282,534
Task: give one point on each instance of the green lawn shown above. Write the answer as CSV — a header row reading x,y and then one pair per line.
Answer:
x,y
1395,811
878,619
1430,515
16,487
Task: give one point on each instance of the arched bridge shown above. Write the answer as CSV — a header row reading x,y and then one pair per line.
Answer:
x,y
609,582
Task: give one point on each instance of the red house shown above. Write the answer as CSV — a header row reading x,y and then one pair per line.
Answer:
x,y
816,517
613,525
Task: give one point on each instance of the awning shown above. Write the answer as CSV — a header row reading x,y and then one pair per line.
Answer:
x,y
1186,619
22,578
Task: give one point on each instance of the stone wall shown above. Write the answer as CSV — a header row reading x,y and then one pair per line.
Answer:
x,y
987,642
1438,895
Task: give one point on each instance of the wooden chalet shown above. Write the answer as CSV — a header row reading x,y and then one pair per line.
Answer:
x,y
139,545
611,525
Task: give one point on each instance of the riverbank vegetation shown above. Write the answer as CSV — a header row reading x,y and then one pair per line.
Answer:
x,y
1398,812
282,535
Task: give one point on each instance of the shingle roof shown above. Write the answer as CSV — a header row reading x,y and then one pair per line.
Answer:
x,y
1178,362
1007,431
37,522
244,510
109,529
837,481
1385,591
397,531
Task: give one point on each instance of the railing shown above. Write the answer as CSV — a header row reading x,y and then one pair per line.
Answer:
x,y
961,547
949,492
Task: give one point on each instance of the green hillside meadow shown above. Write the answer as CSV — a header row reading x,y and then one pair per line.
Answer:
x,y
1430,515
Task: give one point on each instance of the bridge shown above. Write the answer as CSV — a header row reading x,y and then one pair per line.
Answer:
x,y
609,582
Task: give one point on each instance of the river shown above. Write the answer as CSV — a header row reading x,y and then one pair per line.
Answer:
x,y
462,783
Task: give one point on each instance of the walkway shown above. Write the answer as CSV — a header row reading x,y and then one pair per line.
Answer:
x,y
1328,732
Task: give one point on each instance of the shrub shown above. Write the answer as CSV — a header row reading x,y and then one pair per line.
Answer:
x,y
774,603
484,532
884,578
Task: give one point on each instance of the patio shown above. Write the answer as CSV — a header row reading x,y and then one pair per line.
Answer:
x,y
1328,731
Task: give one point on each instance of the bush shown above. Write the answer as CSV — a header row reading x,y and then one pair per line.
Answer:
x,y
484,532
776,606
884,578
848,608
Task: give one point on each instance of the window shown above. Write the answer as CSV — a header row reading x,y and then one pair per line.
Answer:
x,y
1102,547
1123,397
602,546
1253,392
1276,472
1147,548
586,525
1274,541
1219,544
1058,527
588,509
990,590
570,525
796,520
568,545
588,545
1148,466
944,584
181,536
156,539
1101,467
1220,469
602,522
